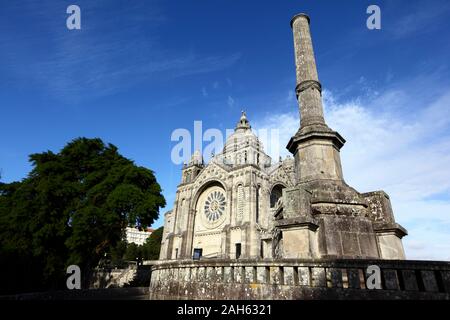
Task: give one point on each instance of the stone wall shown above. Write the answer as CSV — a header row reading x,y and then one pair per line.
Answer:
x,y
116,278
298,279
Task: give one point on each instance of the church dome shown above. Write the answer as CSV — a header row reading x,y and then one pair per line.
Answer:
x,y
243,147
242,137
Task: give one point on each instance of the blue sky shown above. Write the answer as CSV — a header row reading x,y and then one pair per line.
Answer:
x,y
138,70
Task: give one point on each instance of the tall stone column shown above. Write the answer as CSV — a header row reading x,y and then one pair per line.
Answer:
x,y
315,146
322,216
308,88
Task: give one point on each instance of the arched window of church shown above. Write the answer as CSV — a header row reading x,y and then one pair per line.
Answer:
x,y
245,156
240,202
277,192
188,176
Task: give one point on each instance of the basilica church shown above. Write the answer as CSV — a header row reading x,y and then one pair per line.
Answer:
x,y
244,205
226,208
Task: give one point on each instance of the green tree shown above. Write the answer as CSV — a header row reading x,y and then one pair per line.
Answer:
x,y
133,252
152,246
72,209
118,253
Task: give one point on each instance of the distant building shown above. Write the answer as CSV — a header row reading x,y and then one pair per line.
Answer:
x,y
134,235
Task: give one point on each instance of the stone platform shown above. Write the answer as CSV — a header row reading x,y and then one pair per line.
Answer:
x,y
298,279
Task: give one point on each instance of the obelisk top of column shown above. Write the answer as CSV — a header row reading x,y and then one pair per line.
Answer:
x,y
298,16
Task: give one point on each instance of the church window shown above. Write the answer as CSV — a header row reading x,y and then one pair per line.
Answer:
x,y
197,253
238,250
275,195
214,205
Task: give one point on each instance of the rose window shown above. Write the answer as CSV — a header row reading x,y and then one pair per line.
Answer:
x,y
214,206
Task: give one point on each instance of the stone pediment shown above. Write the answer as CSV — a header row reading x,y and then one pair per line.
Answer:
x,y
210,172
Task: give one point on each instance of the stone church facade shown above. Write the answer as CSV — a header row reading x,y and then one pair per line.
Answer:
x,y
226,208
242,205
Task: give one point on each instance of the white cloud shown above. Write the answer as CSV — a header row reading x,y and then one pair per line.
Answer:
x,y
407,155
422,17
94,63
230,101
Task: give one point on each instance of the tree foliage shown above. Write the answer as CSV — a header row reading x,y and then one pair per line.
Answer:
x,y
125,252
151,248
72,208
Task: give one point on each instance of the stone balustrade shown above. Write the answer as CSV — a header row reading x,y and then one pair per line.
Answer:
x,y
298,279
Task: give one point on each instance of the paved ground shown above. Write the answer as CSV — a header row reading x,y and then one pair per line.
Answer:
x,y
136,293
